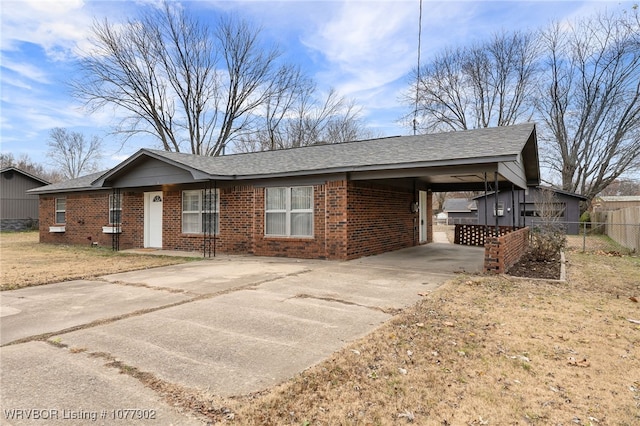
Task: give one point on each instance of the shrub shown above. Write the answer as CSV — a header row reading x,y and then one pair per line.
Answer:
x,y
585,217
547,241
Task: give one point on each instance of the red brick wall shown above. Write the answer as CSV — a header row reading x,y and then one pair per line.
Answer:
x,y
86,214
379,219
336,220
351,219
236,224
132,220
500,253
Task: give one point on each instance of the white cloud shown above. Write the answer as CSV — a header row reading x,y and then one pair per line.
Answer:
x,y
29,71
366,44
55,25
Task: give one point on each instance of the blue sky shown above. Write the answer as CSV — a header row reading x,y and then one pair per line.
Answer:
x,y
364,49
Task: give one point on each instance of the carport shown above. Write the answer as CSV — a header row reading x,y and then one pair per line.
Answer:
x,y
484,160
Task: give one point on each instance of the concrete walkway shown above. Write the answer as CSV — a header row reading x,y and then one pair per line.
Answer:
x,y
227,325
440,237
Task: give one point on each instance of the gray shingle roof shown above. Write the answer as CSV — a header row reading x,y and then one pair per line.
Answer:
x,y
459,205
81,183
462,147
374,153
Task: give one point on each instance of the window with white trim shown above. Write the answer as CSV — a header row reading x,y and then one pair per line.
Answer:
x,y
61,210
200,210
289,211
498,209
115,209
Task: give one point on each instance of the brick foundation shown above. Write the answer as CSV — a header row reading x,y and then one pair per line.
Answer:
x,y
18,224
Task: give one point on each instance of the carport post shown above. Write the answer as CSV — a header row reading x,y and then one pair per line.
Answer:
x,y
214,208
495,208
513,207
486,201
524,203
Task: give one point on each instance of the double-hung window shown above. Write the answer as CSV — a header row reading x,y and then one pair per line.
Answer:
x,y
115,209
61,210
289,211
200,210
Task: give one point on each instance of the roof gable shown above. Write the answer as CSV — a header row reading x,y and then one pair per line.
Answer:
x,y
146,168
8,170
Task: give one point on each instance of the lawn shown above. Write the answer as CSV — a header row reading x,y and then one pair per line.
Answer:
x,y
25,262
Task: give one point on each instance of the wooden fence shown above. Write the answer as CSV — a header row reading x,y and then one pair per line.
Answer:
x,y
623,227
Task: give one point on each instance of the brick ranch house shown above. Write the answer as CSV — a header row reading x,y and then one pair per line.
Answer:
x,y
339,201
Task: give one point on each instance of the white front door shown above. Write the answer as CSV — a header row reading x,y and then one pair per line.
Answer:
x,y
422,217
153,219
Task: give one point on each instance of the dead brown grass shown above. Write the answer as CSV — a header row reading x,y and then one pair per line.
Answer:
x,y
482,350
25,262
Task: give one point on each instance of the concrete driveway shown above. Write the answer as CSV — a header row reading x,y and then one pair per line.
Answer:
x,y
230,325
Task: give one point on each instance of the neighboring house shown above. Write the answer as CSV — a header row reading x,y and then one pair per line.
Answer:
x,y
617,202
18,210
339,201
461,211
519,207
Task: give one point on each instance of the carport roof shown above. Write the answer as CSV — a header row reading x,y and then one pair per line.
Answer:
x,y
500,145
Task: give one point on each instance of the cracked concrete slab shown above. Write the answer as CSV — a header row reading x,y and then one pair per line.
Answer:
x,y
213,275
250,339
64,388
378,288
233,344
55,307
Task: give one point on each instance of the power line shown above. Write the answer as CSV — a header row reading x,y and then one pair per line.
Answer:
x,y
415,110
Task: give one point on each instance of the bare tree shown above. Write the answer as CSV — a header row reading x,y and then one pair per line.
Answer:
x,y
72,154
622,187
549,235
480,86
288,89
298,118
178,79
580,81
590,101
26,164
